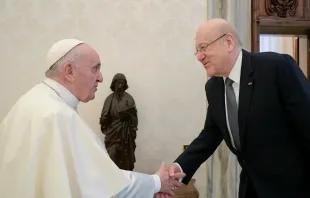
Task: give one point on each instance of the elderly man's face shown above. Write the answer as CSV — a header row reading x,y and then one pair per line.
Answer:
x,y
211,51
87,76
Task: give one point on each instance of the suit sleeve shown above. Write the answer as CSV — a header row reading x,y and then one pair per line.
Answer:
x,y
200,148
295,93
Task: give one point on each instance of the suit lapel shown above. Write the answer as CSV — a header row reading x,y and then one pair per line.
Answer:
x,y
246,87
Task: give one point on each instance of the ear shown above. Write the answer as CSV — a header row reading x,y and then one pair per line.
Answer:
x,y
230,39
69,73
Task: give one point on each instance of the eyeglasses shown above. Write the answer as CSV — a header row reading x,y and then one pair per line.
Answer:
x,y
203,48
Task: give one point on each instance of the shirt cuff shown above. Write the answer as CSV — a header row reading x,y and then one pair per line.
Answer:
x,y
180,170
157,183
179,167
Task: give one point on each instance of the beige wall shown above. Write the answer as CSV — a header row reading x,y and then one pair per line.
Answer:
x,y
150,41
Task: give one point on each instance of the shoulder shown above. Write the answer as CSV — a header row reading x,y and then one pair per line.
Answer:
x,y
267,59
268,56
128,96
213,82
39,113
109,97
270,63
57,112
45,105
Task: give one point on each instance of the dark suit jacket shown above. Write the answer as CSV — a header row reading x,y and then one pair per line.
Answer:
x,y
274,123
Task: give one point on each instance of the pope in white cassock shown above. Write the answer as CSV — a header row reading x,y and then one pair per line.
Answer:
x,y
48,151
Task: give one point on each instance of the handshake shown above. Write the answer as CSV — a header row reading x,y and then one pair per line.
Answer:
x,y
170,180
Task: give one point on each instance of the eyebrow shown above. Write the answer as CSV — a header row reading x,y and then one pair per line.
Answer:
x,y
97,65
202,44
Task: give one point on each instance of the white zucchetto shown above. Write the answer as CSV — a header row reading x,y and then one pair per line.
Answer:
x,y
59,49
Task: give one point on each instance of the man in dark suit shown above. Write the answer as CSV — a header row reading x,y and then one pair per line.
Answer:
x,y
259,104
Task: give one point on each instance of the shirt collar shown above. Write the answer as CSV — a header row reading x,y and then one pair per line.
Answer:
x,y
235,73
64,93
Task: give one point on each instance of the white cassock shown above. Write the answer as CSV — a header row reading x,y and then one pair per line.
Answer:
x,y
48,151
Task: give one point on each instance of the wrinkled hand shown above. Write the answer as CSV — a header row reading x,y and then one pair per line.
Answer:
x,y
174,173
168,182
173,170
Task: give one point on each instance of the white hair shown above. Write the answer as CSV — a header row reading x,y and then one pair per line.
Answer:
x,y
237,38
232,30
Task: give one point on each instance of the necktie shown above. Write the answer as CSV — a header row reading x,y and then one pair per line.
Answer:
x,y
232,111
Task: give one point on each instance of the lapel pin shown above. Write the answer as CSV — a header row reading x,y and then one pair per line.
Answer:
x,y
250,83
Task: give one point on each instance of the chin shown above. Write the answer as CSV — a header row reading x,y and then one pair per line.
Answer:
x,y
85,100
210,72
92,97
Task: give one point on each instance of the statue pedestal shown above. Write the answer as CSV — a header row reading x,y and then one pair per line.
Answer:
x,y
187,191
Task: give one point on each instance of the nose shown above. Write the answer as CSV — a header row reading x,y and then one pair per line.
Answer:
x,y
201,56
99,77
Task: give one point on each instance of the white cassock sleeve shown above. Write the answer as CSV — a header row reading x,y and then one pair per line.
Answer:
x,y
142,186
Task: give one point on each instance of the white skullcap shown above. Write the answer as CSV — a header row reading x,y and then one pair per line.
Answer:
x,y
59,49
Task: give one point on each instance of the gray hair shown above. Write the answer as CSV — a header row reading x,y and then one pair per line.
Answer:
x,y
231,30
237,38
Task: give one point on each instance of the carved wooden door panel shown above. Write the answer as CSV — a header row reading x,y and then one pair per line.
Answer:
x,y
279,17
285,8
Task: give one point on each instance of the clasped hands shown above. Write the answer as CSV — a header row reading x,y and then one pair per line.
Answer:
x,y
169,180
